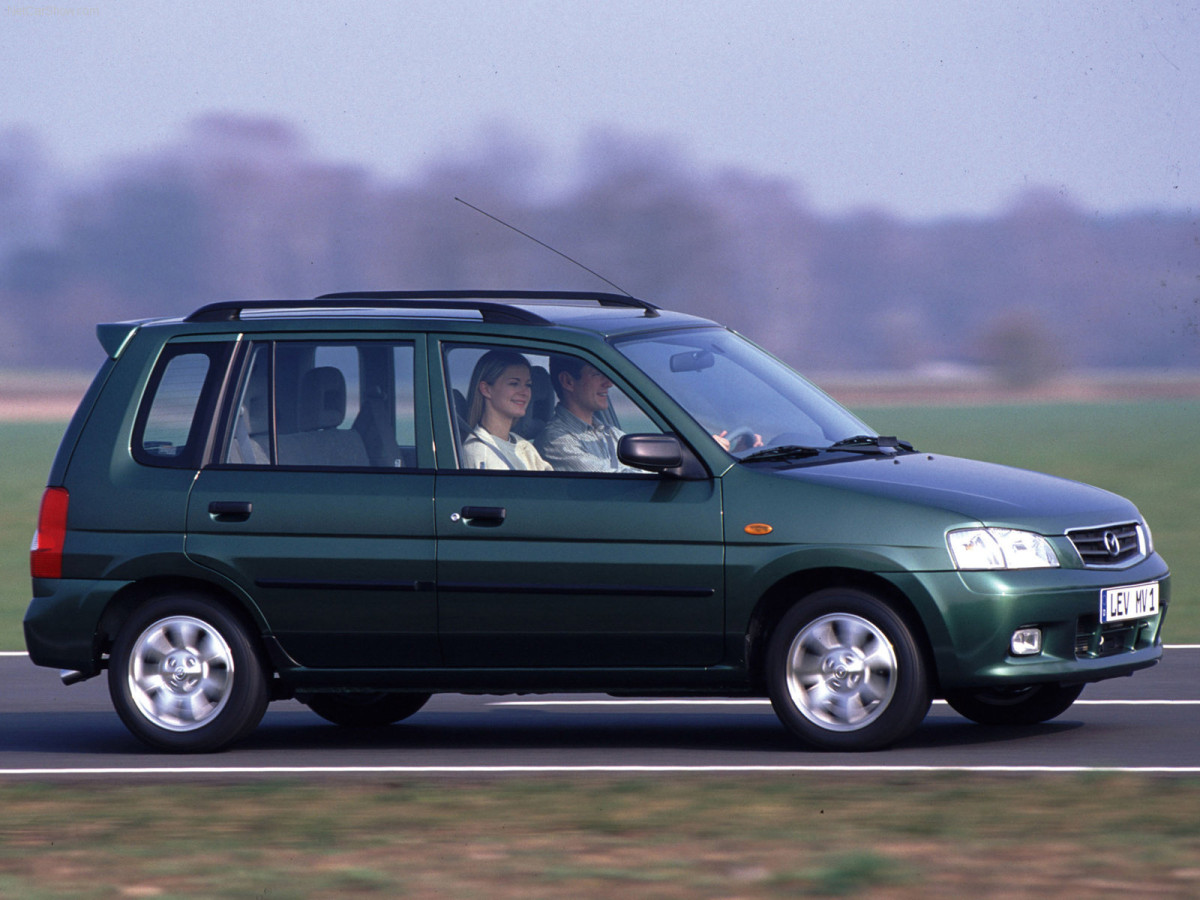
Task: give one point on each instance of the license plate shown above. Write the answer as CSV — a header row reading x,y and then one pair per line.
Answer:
x,y
1133,601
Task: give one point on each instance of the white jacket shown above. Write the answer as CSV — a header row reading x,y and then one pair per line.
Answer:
x,y
483,450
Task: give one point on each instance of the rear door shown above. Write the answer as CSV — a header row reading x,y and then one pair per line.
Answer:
x,y
320,506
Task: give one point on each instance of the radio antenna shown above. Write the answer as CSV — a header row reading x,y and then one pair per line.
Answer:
x,y
544,244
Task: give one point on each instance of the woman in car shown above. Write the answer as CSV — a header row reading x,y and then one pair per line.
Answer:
x,y
501,389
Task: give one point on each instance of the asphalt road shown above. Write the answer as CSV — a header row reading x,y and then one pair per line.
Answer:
x,y
1147,722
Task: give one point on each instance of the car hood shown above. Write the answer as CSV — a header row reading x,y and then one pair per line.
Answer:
x,y
993,494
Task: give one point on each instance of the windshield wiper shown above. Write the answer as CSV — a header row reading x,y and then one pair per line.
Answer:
x,y
787,451
861,443
868,443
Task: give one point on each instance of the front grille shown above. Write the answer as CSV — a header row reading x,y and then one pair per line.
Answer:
x,y
1110,546
1094,640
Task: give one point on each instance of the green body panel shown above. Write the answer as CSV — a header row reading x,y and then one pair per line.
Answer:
x,y
341,564
583,571
75,427
981,610
887,518
111,493
62,622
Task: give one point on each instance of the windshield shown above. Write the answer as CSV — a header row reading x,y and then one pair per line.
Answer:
x,y
738,392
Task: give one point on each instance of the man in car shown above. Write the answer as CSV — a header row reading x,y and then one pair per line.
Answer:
x,y
577,439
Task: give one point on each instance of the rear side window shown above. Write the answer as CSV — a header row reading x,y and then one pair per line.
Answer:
x,y
337,404
177,410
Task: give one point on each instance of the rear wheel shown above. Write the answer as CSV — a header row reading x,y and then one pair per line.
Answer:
x,y
844,672
364,710
185,675
1025,705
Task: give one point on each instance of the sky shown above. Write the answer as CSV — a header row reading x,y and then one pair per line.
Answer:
x,y
923,108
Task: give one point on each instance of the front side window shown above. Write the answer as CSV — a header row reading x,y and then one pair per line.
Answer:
x,y
523,409
325,405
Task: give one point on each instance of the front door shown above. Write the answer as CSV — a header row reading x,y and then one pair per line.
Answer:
x,y
548,570
565,568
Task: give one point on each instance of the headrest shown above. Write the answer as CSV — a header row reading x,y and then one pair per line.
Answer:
x,y
541,406
322,399
256,401
542,403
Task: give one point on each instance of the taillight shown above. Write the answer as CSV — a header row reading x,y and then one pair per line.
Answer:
x,y
46,554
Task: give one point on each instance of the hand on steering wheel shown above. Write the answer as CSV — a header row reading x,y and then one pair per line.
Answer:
x,y
739,439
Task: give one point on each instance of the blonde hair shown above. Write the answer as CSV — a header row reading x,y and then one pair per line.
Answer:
x,y
489,369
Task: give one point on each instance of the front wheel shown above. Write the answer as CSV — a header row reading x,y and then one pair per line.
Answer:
x,y
1025,705
184,675
844,672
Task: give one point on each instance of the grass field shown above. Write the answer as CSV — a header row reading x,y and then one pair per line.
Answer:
x,y
1146,451
593,839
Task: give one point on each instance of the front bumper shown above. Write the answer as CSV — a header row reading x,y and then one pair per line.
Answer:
x,y
971,616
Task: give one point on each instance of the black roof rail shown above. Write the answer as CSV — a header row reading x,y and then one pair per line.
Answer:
x,y
494,306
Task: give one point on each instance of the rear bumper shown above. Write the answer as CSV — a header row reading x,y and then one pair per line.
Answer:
x,y
62,623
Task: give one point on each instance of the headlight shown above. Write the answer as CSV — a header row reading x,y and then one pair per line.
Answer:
x,y
1000,548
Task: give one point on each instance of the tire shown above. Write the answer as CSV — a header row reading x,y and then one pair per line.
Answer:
x,y
185,675
1024,705
364,710
844,672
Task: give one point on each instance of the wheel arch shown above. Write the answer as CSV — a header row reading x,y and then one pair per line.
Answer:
x,y
133,596
796,587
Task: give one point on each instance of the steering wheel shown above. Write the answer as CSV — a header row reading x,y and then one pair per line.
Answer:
x,y
740,439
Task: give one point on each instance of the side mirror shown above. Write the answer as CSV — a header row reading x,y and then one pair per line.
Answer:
x,y
654,452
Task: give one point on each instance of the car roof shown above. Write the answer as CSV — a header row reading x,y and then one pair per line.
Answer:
x,y
495,305
600,314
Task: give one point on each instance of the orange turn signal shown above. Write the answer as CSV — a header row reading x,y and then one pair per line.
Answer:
x,y
758,528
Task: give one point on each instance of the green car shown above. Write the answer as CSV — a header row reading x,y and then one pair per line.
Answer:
x,y
364,499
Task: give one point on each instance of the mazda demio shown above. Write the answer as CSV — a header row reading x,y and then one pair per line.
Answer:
x,y
361,500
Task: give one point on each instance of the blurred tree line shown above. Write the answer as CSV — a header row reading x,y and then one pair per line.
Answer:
x,y
241,208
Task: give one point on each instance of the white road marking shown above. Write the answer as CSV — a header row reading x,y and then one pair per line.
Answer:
x,y
596,770
1136,703
759,702
685,701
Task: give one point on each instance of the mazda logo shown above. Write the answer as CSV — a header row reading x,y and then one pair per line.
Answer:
x,y
1112,543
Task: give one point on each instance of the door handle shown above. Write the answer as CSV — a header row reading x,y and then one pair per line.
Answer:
x,y
481,515
230,510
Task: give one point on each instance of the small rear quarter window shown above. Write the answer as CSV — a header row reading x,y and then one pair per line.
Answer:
x,y
178,406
